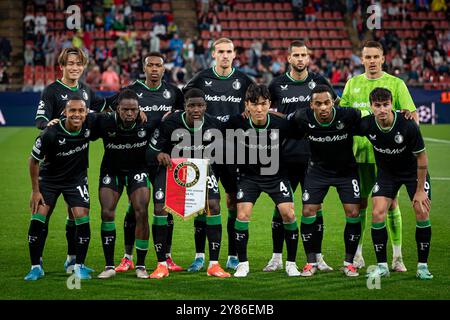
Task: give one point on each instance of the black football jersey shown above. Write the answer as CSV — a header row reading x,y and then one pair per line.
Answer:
x,y
224,95
177,139
55,96
64,154
289,95
154,102
259,148
331,143
394,148
124,148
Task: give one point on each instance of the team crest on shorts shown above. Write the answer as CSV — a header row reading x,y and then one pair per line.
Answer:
x,y
398,138
236,84
375,188
273,135
166,94
106,179
305,196
159,194
142,133
240,194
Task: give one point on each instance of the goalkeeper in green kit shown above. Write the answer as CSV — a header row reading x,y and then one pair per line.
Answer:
x,y
356,95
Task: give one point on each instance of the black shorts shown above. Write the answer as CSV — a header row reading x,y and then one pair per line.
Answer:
x,y
277,187
317,183
159,188
75,193
295,172
387,185
132,181
227,174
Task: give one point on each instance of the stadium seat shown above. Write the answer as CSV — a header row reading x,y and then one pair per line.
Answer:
x,y
268,6
324,34
242,24
286,6
247,43
291,24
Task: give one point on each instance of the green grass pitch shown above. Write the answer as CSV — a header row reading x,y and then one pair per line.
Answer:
x,y
15,146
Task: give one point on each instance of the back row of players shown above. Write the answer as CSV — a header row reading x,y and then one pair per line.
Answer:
x,y
308,126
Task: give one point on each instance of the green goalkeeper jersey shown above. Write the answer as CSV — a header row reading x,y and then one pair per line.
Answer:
x,y
356,94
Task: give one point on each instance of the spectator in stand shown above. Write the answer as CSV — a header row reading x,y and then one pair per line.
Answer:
x,y
310,12
422,5
199,55
438,5
77,40
40,23
203,23
94,77
297,9
110,80
88,21
155,42
176,44
205,6
5,49
335,75
128,14
214,22
172,28
50,50
159,30
59,5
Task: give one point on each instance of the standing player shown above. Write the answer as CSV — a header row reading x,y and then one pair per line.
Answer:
x,y
156,98
63,152
224,89
330,132
291,92
264,133
401,160
72,62
125,140
192,126
356,95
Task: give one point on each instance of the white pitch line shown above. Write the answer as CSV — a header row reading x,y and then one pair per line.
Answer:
x,y
440,178
437,140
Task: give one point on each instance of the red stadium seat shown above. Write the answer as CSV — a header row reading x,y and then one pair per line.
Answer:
x,y
268,6
324,34
290,25
243,24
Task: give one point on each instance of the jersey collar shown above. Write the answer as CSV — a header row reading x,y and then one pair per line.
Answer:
x,y
382,75
296,81
259,129
325,124
183,115
223,77
148,88
386,130
74,133
70,88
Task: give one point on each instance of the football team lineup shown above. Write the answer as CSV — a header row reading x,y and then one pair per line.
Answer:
x,y
296,139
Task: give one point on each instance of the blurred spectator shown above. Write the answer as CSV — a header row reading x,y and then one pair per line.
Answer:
x,y
5,49
40,23
88,21
205,6
176,44
438,5
110,80
28,55
172,28
3,73
310,12
59,5
94,77
214,22
159,30
199,55
155,42
50,50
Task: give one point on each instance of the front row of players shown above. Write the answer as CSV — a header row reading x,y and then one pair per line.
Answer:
x,y
63,150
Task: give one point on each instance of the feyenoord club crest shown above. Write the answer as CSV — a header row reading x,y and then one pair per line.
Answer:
x,y
376,188
398,138
207,135
240,194
142,133
305,196
159,194
236,84
186,174
273,135
38,143
340,125
166,94
311,84
85,95
106,179
87,133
